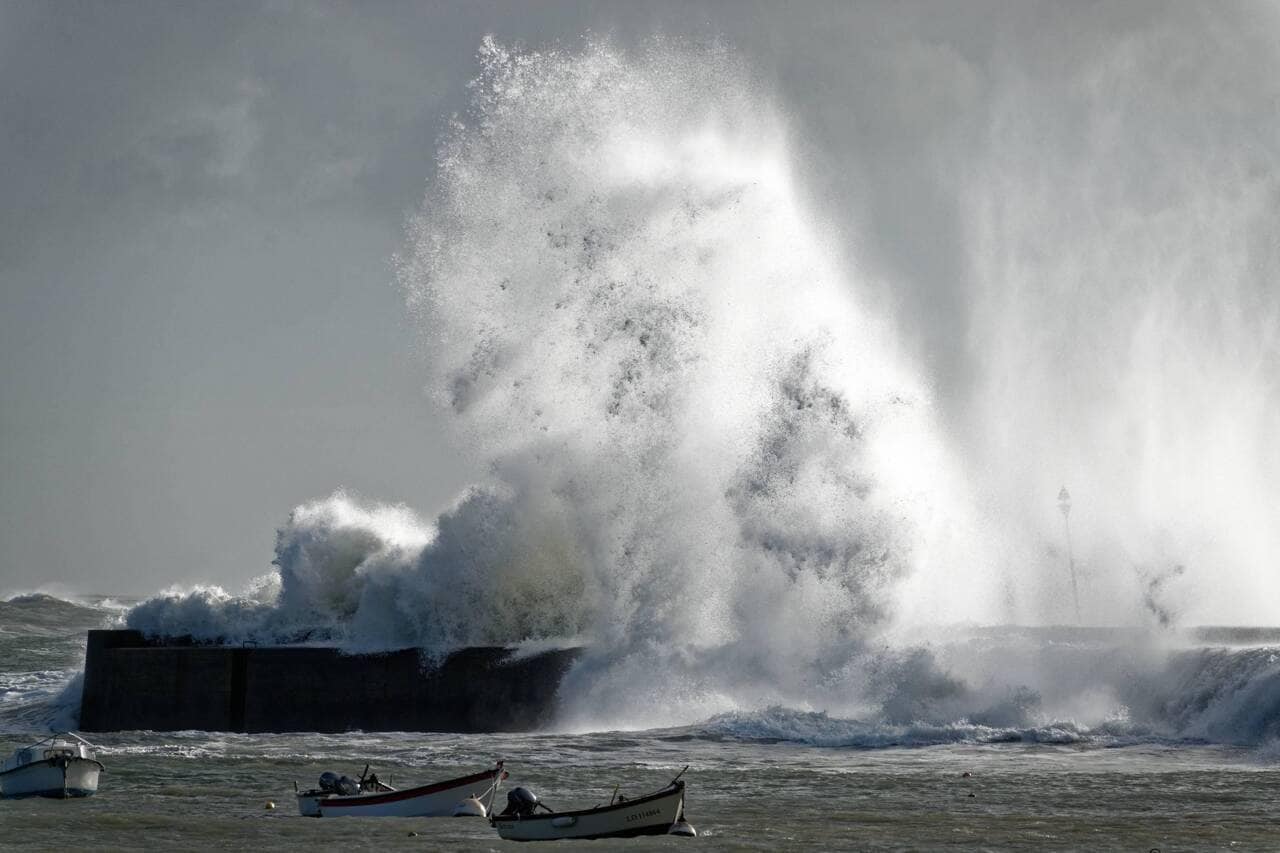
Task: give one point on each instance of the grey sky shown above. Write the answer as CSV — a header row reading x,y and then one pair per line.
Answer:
x,y
199,327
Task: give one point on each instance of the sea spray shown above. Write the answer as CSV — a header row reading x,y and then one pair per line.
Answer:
x,y
1119,209
627,303
706,458
375,577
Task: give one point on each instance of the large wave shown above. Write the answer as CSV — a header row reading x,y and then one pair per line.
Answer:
x,y
707,457
42,640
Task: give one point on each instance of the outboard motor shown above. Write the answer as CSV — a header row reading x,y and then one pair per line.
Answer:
x,y
521,802
332,783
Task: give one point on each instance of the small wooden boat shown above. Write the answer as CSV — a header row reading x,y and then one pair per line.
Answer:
x,y
60,766
370,797
659,813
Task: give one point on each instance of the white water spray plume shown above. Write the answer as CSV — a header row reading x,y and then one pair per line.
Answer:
x,y
711,461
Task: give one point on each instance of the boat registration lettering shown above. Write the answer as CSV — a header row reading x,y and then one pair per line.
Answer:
x,y
644,814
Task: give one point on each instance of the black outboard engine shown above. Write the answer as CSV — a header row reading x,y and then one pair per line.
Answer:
x,y
521,802
332,783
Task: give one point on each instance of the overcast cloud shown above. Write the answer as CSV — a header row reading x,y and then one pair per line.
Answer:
x,y
199,327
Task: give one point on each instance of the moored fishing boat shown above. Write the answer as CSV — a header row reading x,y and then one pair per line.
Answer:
x,y
659,813
62,765
370,797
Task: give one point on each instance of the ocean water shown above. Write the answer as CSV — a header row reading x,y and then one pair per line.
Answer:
x,y
764,780
714,448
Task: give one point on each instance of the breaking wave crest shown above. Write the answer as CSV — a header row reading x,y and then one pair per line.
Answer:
x,y
378,577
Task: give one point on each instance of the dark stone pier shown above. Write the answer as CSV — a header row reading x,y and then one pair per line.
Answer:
x,y
132,682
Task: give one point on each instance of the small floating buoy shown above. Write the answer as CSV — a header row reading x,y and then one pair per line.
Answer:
x,y
972,794
270,805
470,807
965,775
413,834
682,828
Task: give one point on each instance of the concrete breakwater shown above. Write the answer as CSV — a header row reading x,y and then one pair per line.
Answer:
x,y
133,682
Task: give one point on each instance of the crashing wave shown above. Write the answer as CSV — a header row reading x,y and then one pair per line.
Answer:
x,y
703,454
705,457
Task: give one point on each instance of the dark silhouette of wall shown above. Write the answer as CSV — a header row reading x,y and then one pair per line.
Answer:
x,y
131,682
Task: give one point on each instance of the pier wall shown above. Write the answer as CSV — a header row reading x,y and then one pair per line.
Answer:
x,y
131,682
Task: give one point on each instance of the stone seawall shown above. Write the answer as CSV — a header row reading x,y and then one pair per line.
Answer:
x,y
131,682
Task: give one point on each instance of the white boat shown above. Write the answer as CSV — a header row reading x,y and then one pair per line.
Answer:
x,y
659,813
62,765
369,797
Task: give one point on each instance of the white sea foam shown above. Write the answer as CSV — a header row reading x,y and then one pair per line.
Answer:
x,y
1215,695
46,699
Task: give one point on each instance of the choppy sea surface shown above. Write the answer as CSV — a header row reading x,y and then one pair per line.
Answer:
x,y
765,780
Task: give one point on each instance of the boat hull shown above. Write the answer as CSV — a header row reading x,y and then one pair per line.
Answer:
x,y
56,778
651,815
436,800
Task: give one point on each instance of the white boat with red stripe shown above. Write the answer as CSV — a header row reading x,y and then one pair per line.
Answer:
x,y
369,797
